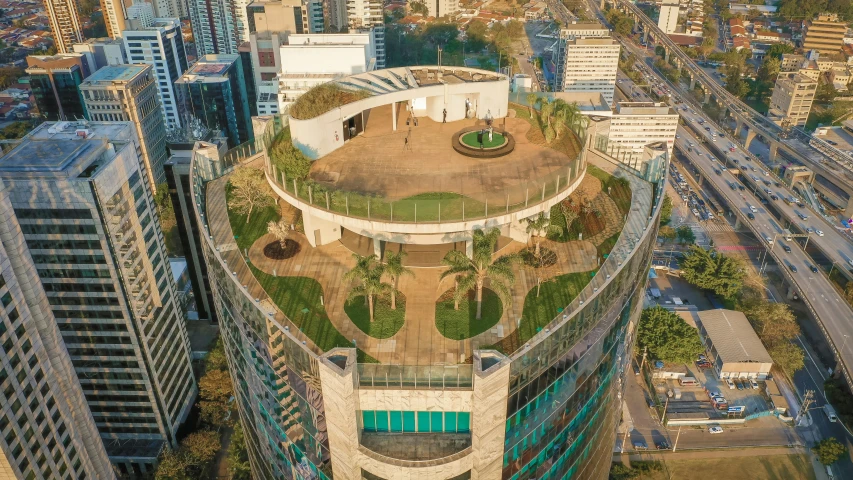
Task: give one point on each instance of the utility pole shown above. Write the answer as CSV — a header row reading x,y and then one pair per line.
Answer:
x,y
643,363
675,445
808,399
665,405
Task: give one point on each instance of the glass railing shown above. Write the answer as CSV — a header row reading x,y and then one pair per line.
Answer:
x,y
441,377
449,202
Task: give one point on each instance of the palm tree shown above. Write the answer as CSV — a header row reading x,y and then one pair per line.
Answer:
x,y
395,269
368,271
537,226
531,101
471,273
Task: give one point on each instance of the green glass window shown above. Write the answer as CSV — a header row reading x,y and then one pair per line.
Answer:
x,y
381,420
396,421
368,418
450,422
408,421
463,422
436,422
423,421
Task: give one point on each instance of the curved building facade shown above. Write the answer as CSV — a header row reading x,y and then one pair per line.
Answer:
x,y
547,409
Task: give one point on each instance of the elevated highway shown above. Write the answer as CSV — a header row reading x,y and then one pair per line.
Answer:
x,y
833,169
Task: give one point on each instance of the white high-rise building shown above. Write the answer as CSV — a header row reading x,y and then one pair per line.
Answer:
x,y
142,13
668,19
587,64
312,59
81,229
633,126
358,16
162,46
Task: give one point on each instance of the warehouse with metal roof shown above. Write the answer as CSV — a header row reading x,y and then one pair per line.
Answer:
x,y
734,348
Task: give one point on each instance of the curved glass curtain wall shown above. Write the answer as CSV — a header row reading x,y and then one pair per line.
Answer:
x,y
561,417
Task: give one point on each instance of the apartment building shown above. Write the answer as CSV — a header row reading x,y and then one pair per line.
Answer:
x,y
633,126
359,16
215,25
586,59
100,52
64,19
92,252
668,19
825,34
792,99
161,45
127,93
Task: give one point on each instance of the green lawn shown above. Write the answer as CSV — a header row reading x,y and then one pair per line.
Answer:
x,y
753,467
245,234
386,322
461,324
470,139
555,295
299,299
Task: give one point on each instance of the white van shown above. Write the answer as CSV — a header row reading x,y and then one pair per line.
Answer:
x,y
752,208
688,382
767,239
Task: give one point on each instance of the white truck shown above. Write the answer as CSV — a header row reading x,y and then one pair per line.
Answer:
x,y
830,413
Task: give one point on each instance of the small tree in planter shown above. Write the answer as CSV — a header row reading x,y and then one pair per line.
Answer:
x,y
280,230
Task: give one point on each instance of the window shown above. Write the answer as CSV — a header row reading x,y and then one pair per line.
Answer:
x,y
422,422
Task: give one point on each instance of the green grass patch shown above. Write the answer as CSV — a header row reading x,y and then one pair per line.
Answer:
x,y
245,234
470,139
555,295
461,324
386,322
299,299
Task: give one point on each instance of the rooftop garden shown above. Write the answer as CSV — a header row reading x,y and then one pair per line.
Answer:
x,y
323,98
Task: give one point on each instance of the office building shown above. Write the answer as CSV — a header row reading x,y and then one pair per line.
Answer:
x,y
78,192
214,91
792,99
309,60
46,429
634,125
545,406
100,52
668,19
161,45
586,60
825,34
127,93
55,81
177,170
65,23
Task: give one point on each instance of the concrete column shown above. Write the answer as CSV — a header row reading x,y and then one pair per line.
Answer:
x,y
692,82
774,150
469,248
646,36
738,127
394,116
666,54
750,135
488,415
340,400
377,248
707,97
737,222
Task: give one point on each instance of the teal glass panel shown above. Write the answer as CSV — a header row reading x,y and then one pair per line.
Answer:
x,y
369,420
381,420
423,422
408,421
450,422
436,423
396,421
463,422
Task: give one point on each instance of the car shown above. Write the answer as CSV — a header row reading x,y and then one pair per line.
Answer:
x,y
766,182
741,188
809,230
640,446
813,268
792,267
802,216
695,212
731,384
721,134
819,233
774,197
712,394
662,445
800,204
710,216
750,215
754,384
708,128
738,384
786,248
715,430
718,172
777,184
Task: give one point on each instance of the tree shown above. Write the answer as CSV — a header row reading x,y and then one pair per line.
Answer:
x,y
395,269
215,359
667,336
538,227
711,270
215,392
280,230
368,271
419,7
249,191
685,234
515,29
477,28
769,69
778,49
829,450
201,447
660,51
667,233
238,456
472,273
825,92
173,465
735,83
666,210
787,356
773,322
163,202
848,292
